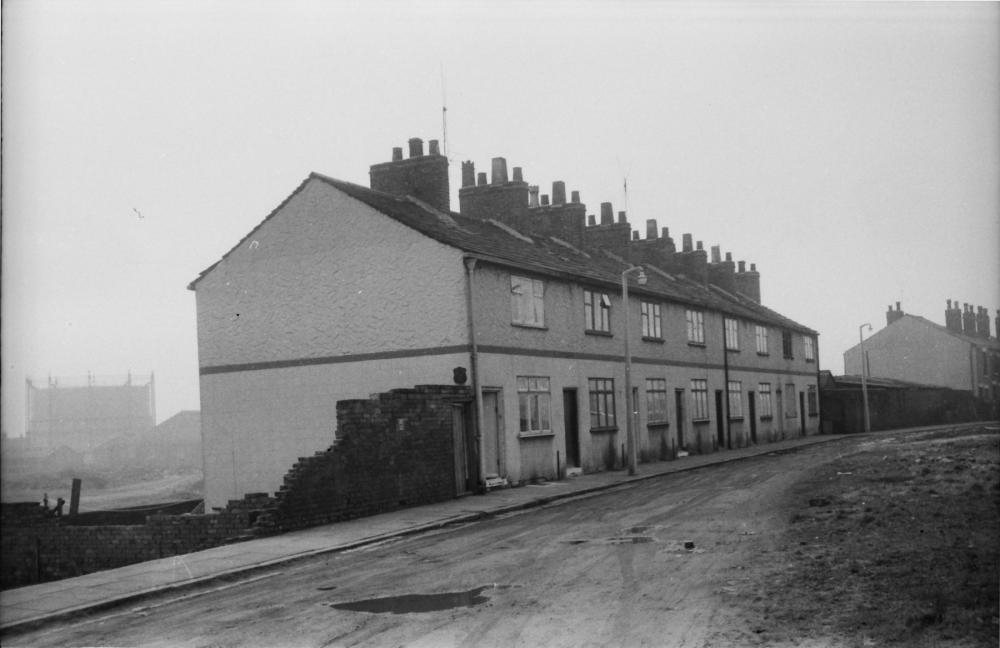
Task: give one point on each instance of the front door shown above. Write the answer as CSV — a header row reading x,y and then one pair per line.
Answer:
x,y
492,451
464,474
720,420
752,405
571,424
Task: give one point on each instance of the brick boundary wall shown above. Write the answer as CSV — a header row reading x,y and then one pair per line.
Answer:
x,y
393,450
842,409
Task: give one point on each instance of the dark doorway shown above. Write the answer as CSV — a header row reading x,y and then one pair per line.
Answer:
x,y
571,424
679,408
492,451
465,473
752,404
802,413
720,420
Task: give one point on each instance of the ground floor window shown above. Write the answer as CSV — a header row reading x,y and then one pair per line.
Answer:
x,y
656,400
602,402
811,400
791,409
699,399
534,403
735,389
764,396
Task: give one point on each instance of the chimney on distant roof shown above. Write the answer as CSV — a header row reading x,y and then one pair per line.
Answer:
x,y
687,243
953,317
432,148
893,315
968,321
607,214
575,197
424,177
499,175
651,228
983,322
468,174
532,195
748,281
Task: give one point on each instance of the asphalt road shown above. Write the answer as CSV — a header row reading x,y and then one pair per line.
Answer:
x,y
615,569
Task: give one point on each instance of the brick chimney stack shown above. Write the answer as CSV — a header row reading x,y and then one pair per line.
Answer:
x,y
983,322
968,320
953,317
748,281
893,315
424,177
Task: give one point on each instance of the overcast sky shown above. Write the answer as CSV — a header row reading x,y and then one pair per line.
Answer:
x,y
850,150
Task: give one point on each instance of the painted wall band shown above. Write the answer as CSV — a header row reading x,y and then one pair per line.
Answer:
x,y
483,348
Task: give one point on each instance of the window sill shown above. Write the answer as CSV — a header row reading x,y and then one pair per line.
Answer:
x,y
810,360
536,435
537,327
598,333
703,421
658,424
736,419
731,350
655,340
696,344
764,354
789,357
767,418
813,415
607,428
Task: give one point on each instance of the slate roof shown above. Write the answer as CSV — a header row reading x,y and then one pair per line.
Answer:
x,y
992,342
500,244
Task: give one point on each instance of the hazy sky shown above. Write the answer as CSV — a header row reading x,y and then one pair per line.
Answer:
x,y
850,150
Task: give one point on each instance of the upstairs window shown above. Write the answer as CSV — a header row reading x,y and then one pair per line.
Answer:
x,y
597,311
699,399
527,301
695,327
656,400
760,333
534,403
602,402
786,344
651,320
735,389
732,334
810,353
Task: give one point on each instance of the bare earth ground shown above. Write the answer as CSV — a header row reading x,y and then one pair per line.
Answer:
x,y
896,545
849,543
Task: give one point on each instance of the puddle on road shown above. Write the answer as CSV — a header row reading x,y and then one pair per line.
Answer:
x,y
407,603
631,540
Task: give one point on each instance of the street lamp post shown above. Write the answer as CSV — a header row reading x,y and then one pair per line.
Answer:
x,y
864,375
629,405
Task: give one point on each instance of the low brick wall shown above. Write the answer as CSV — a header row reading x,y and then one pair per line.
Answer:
x,y
843,408
393,450
38,548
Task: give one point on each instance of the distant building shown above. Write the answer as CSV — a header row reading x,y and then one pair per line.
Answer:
x,y
344,291
82,414
959,355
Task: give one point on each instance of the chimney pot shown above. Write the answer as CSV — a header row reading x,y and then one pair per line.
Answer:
x,y
545,200
481,179
699,246
716,254
621,217
558,192
397,153
416,147
897,306
607,214
753,267
729,257
742,265
635,236
949,304
468,173
591,220
518,177
499,171
650,228
665,233
433,148
575,197
532,195
687,245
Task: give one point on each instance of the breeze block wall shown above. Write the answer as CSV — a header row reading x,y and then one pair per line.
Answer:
x,y
393,450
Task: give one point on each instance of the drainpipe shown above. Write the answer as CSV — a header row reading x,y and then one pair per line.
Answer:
x,y
470,268
725,371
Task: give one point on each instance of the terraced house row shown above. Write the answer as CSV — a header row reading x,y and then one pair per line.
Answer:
x,y
344,291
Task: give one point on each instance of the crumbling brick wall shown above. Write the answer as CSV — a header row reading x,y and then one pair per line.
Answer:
x,y
393,450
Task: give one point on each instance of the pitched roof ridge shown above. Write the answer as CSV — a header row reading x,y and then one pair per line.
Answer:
x,y
569,245
510,230
962,335
443,217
